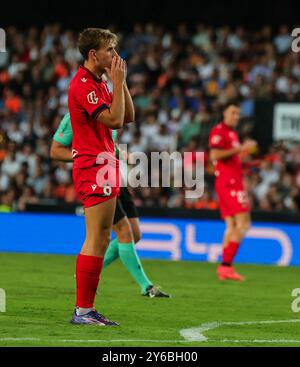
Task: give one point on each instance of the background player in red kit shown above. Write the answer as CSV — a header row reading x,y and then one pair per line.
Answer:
x,y
94,112
233,200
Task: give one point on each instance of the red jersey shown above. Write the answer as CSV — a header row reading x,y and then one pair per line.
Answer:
x,y
88,96
224,137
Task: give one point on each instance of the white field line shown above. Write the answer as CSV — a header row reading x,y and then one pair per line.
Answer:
x,y
197,334
191,335
271,341
19,339
91,340
162,342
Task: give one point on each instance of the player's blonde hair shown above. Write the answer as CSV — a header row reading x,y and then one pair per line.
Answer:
x,y
95,38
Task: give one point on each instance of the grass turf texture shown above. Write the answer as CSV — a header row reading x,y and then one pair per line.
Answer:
x,y
40,292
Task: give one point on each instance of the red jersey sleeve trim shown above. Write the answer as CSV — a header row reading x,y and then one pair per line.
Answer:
x,y
99,109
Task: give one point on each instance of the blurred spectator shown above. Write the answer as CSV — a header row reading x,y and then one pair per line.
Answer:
x,y
179,81
283,40
7,199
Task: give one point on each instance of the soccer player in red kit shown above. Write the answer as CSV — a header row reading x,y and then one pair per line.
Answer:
x,y
94,111
225,149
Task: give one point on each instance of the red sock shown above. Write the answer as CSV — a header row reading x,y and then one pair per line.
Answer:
x,y
88,270
230,251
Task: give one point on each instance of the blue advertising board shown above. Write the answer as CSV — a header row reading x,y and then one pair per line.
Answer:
x,y
170,239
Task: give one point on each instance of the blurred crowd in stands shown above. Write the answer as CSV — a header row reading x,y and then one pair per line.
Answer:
x,y
179,81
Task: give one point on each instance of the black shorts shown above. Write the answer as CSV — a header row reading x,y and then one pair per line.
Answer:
x,y
125,206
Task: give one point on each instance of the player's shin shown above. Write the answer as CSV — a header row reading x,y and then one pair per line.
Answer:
x,y
229,252
88,270
112,253
131,261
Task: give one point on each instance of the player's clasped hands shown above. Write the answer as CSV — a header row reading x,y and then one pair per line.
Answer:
x,y
117,72
249,145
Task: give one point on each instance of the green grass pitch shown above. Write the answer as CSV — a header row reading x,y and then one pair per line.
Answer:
x,y
40,293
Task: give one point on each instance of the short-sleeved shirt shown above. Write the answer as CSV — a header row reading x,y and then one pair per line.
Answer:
x,y
88,96
224,137
64,133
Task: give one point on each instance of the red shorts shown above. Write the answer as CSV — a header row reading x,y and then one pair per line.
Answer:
x,y
90,191
233,198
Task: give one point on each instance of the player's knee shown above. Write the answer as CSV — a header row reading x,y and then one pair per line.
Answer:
x,y
106,239
244,227
105,234
247,225
104,243
230,228
96,243
101,240
125,237
123,232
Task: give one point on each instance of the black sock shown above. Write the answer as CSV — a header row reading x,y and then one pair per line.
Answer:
x,y
225,264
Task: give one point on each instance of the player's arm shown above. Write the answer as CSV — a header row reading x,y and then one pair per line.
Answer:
x,y
113,117
219,154
129,107
60,153
62,140
129,115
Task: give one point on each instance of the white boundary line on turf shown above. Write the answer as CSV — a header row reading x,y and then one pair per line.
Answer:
x,y
93,340
19,339
191,335
275,341
162,342
196,334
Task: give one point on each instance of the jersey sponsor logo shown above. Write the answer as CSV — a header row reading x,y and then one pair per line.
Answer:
x,y
242,197
107,190
216,139
84,80
94,187
92,98
74,153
